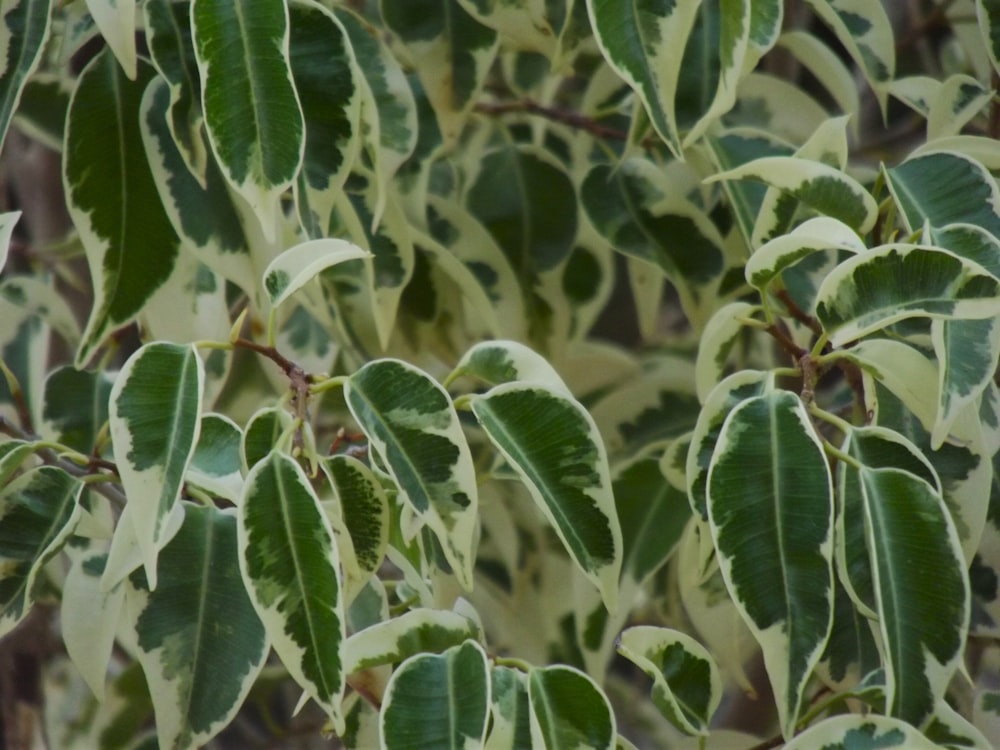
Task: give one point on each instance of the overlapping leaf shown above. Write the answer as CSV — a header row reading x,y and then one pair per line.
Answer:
x,y
154,415
24,29
569,711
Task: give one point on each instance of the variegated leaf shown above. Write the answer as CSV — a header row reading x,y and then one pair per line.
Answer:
x,y
24,29
251,108
770,506
76,407
496,362
103,128
890,283
288,558
569,711
261,434
453,717
115,20
553,444
299,265
154,415
411,423
215,464
687,687
849,732
511,711
38,511
200,641
718,339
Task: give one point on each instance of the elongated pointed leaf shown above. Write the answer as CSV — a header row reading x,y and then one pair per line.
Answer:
x,y
569,711
417,631
115,20
967,352
129,241
326,79
686,683
850,732
819,235
453,716
822,188
866,32
410,421
299,265
893,282
24,28
199,639
154,413
770,506
452,52
251,109
911,538
511,712
38,511
552,442
288,558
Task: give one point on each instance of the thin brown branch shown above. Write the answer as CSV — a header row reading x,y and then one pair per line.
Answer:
x,y
793,349
798,313
566,117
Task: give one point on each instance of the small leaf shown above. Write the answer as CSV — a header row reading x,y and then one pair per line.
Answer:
x,y
569,711
553,444
686,684
299,265
38,512
154,411
852,732
288,558
215,464
770,506
411,422
200,642
451,717
25,30
115,20
890,283
496,362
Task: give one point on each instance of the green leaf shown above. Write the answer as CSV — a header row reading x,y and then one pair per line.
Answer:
x,y
154,412
200,642
569,711
890,283
76,407
988,12
967,353
411,423
452,715
38,512
640,42
251,109
215,464
299,265
686,683
103,128
261,434
327,82
363,507
823,188
553,444
200,208
720,336
24,29
7,222
865,31
911,540
496,362
948,728
854,732
288,558
452,52
942,188
417,631
511,711
770,506
638,219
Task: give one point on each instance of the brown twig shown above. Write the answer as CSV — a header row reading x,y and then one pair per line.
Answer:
x,y
798,313
566,117
778,332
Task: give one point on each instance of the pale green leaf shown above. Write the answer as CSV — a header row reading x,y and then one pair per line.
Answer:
x,y
967,353
76,407
451,717
24,29
553,444
719,337
823,188
511,712
39,296
411,423
261,434
687,687
414,632
115,20
298,265
853,732
7,222
251,108
154,411
957,101
532,25
569,711
288,558
496,362
215,464
200,642
770,506
890,283
38,511
952,730
820,60
103,128
988,14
